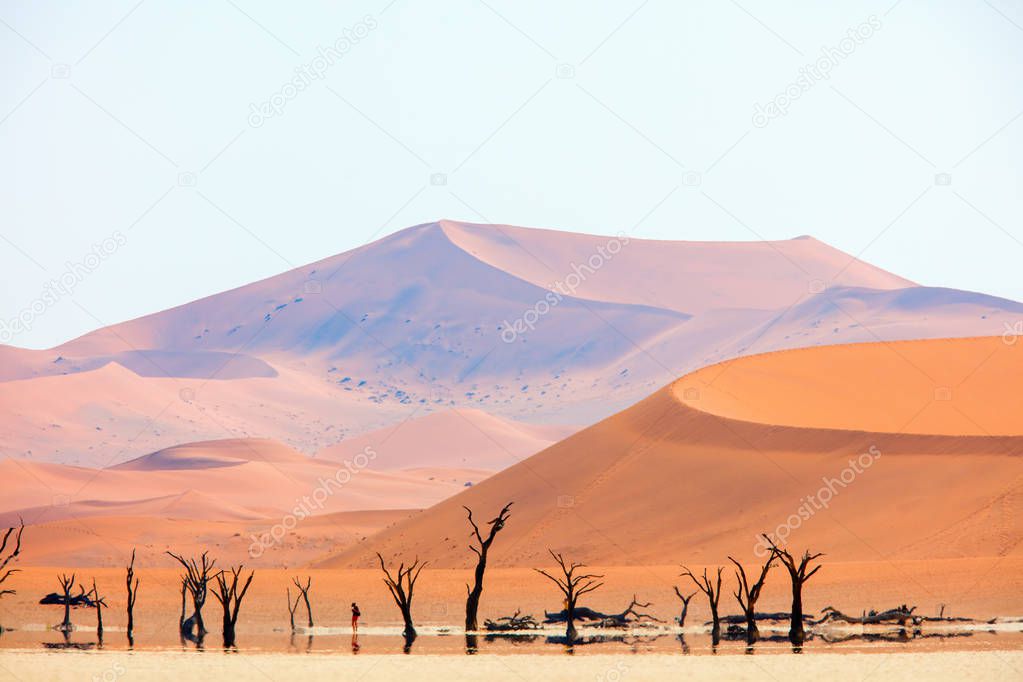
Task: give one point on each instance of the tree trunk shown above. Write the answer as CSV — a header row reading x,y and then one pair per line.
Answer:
x,y
200,625
472,603
66,625
228,628
752,632
308,608
796,634
570,632
715,631
181,618
410,630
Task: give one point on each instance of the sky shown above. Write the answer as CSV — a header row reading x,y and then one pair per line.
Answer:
x,y
156,152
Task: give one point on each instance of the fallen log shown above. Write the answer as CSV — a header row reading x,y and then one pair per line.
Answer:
x,y
515,621
73,600
629,616
899,615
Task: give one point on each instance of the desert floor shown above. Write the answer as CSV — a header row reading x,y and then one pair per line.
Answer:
x,y
978,588
989,665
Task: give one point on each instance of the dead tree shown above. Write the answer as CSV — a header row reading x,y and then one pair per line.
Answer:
x,y
472,601
99,603
685,606
66,585
292,607
13,553
303,593
799,575
401,588
230,597
713,593
184,591
747,596
572,586
132,584
196,580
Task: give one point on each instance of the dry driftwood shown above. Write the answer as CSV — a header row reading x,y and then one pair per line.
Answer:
x,y
900,615
515,621
629,616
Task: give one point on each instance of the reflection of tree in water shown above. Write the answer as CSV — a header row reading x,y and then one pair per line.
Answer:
x,y
632,640
308,643
901,635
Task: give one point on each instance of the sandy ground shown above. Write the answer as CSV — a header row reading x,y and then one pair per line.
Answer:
x,y
989,665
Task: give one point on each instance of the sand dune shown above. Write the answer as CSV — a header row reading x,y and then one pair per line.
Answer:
x,y
690,277
264,488
109,540
952,388
667,481
202,455
453,315
453,438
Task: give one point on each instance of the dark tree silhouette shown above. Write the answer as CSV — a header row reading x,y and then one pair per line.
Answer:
x,y
196,580
303,594
100,603
685,606
401,588
230,596
184,591
472,601
12,554
132,584
713,593
292,607
747,596
572,586
799,575
67,583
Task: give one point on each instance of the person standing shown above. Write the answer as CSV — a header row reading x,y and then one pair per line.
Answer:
x,y
355,617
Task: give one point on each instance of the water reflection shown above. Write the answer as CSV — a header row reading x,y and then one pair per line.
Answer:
x,y
654,640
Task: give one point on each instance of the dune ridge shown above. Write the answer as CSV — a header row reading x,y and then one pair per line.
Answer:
x,y
663,481
454,315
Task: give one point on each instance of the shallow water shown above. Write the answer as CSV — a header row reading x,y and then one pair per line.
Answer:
x,y
549,641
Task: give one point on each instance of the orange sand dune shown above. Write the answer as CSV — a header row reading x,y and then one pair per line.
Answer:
x,y
453,438
664,482
261,476
961,387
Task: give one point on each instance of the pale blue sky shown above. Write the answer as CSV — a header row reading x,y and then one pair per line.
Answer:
x,y
110,110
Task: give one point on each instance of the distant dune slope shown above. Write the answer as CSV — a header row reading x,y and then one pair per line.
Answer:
x,y
251,478
453,438
664,482
529,325
691,277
